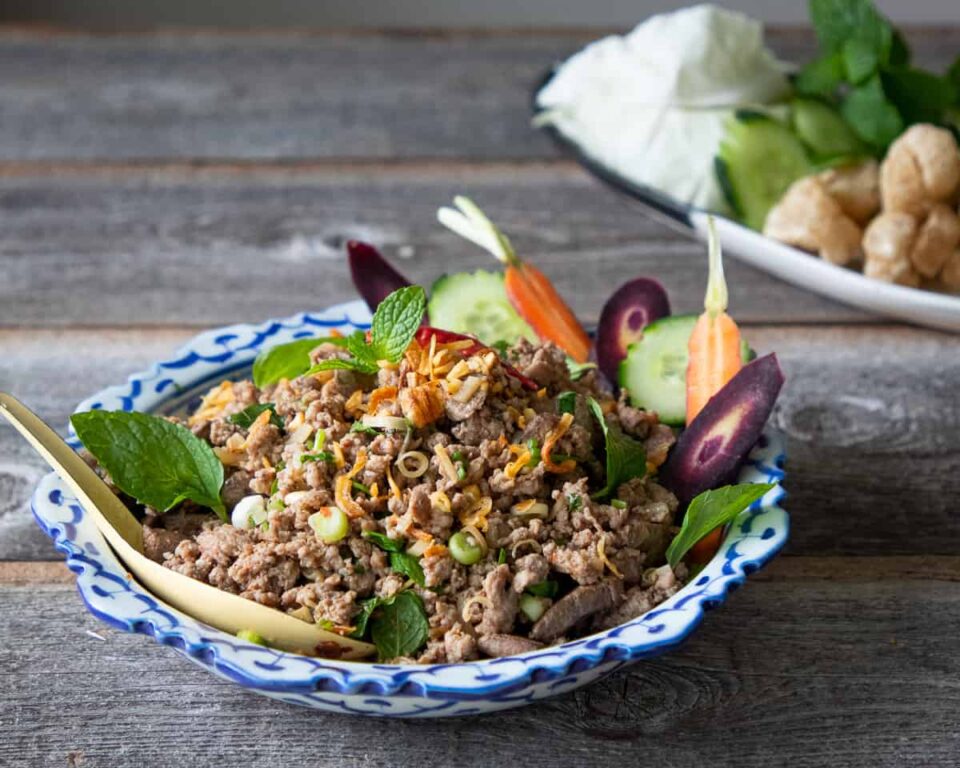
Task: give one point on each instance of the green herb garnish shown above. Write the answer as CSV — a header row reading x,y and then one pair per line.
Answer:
x,y
544,589
710,510
155,461
408,565
501,556
501,346
574,501
324,456
398,624
567,402
461,462
626,457
248,415
361,487
383,541
394,325
287,361
359,426
577,370
618,504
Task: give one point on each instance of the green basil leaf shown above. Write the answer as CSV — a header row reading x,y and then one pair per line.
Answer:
x,y
398,626
577,370
396,322
626,457
155,461
383,541
544,589
287,361
335,364
408,565
566,402
248,415
710,510
871,114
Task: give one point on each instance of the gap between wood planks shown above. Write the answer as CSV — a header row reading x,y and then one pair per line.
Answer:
x,y
15,573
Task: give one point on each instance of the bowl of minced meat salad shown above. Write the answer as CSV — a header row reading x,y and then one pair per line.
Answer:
x,y
464,477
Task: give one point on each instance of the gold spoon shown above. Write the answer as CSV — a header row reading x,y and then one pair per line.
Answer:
x,y
204,602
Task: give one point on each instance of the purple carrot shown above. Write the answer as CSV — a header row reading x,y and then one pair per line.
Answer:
x,y
713,446
632,307
372,275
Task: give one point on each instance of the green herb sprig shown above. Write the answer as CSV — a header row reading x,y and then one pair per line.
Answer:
x,y
248,415
394,325
398,625
287,361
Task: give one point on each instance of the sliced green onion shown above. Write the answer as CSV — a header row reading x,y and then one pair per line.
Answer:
x,y
534,447
532,607
331,524
618,503
464,549
324,456
319,440
358,486
461,463
501,556
567,402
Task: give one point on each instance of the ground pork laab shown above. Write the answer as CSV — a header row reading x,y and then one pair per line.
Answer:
x,y
459,481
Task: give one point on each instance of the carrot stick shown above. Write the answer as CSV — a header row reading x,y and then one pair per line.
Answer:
x,y
715,358
529,290
714,345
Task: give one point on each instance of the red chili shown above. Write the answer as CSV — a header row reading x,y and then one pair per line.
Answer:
x,y
445,337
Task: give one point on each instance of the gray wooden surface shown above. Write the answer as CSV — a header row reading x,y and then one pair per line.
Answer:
x,y
152,185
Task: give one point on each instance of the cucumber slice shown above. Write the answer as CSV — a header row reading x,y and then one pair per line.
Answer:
x,y
654,373
476,303
823,130
758,159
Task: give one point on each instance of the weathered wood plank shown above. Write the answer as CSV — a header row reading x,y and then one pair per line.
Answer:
x,y
214,247
271,96
871,417
866,675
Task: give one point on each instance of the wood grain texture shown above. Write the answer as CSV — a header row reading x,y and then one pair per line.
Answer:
x,y
871,417
213,247
272,96
815,672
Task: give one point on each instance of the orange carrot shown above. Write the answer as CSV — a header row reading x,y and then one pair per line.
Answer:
x,y
715,358
537,301
529,290
714,345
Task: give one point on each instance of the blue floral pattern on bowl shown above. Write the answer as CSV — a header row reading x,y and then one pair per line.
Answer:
x,y
175,385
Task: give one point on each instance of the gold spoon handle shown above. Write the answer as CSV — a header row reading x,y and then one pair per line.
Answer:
x,y
94,494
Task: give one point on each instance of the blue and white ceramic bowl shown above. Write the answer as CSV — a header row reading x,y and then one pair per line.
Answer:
x,y
376,689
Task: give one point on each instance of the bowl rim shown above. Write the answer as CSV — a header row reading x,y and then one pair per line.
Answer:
x,y
111,594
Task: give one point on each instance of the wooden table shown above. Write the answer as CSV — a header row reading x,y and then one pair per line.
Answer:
x,y
154,185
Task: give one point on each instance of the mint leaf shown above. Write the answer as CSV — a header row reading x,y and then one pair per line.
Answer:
x,y
248,415
836,21
384,542
919,96
408,565
155,461
398,626
396,321
860,59
821,77
710,510
287,361
871,115
626,457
